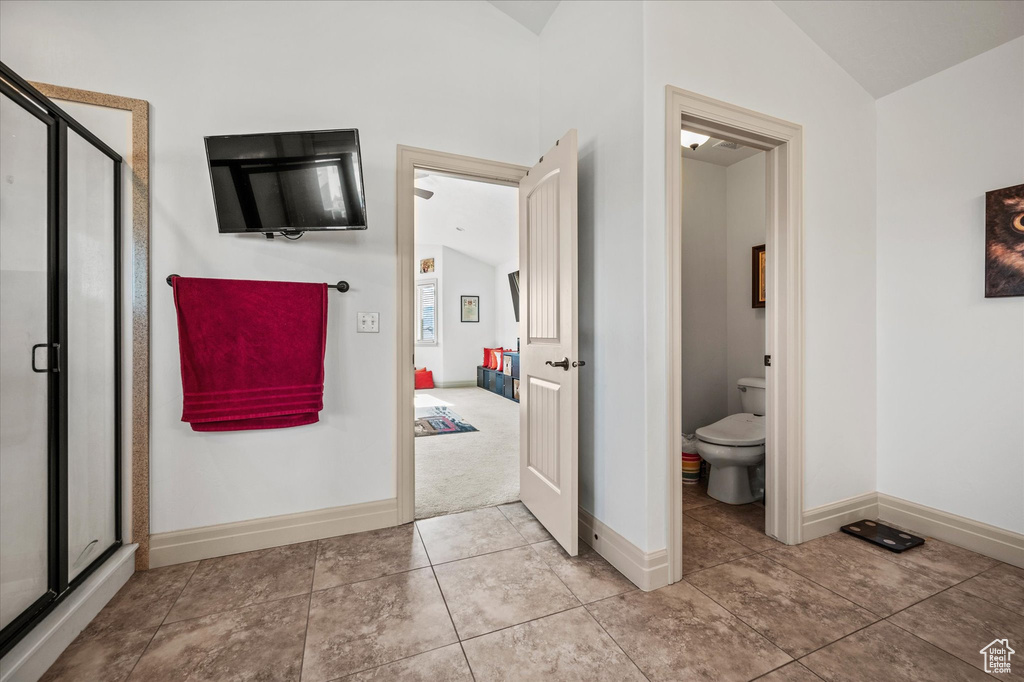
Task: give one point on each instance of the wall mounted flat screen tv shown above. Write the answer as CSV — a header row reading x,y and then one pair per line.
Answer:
x,y
287,182
513,284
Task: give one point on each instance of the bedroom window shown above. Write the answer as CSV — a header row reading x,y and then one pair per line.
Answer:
x,y
426,312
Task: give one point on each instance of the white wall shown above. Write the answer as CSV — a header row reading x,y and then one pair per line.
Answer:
x,y
591,70
723,336
356,64
752,55
463,343
950,362
705,341
745,227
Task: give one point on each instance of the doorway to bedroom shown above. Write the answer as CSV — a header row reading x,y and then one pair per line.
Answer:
x,y
466,406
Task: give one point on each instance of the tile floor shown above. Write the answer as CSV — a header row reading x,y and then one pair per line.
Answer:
x,y
487,595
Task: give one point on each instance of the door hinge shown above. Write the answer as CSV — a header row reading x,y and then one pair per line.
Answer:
x,y
767,361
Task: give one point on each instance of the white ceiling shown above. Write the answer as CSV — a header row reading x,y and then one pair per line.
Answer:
x,y
720,156
533,14
884,44
487,213
889,44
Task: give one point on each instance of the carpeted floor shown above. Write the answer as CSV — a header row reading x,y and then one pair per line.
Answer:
x,y
461,471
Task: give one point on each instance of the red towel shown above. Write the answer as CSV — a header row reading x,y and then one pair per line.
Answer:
x,y
252,353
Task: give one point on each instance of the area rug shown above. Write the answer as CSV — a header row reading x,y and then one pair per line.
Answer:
x,y
478,469
439,421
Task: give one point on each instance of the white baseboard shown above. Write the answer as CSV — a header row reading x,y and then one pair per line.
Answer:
x,y
193,544
32,656
646,570
828,518
976,536
456,384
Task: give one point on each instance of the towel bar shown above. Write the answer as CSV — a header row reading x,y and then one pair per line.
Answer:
x,y
341,286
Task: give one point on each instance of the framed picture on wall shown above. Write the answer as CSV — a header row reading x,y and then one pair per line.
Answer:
x,y
758,285
426,265
1004,242
470,308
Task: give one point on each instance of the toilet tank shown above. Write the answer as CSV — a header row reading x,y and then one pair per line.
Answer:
x,y
751,395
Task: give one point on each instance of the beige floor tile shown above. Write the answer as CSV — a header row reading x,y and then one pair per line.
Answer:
x,y
864,578
497,590
261,642
367,624
795,614
239,580
696,496
361,556
885,652
677,633
1002,584
144,601
704,547
961,624
568,646
942,561
792,672
587,574
106,656
447,664
525,522
459,536
742,523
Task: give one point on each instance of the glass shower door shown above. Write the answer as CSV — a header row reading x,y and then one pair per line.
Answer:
x,y
91,373
60,289
25,425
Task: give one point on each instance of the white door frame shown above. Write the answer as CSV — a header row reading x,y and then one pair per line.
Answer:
x,y
784,328
409,160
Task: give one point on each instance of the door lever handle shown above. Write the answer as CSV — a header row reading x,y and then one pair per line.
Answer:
x,y
563,363
579,363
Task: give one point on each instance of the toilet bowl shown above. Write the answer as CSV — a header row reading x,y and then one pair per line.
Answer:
x,y
734,447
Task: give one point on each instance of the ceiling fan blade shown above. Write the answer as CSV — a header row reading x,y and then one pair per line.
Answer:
x,y
422,193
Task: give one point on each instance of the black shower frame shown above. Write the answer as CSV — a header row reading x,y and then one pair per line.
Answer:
x,y
58,123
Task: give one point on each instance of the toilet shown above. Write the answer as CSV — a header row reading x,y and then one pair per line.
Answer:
x,y
734,447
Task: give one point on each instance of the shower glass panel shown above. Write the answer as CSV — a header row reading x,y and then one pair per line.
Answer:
x,y
91,356
60,401
24,322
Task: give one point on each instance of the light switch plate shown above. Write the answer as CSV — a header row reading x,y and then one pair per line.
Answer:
x,y
367,323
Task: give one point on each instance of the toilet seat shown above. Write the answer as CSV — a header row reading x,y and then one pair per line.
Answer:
x,y
740,430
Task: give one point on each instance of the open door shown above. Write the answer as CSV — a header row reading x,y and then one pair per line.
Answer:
x,y
549,345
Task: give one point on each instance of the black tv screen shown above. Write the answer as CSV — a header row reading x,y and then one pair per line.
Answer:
x,y
287,182
513,284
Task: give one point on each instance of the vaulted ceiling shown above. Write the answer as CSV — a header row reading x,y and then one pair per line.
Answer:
x,y
889,44
884,45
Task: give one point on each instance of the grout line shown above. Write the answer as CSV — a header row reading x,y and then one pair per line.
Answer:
x,y
742,620
614,641
824,587
474,556
137,660
181,592
515,625
793,662
309,608
305,634
932,644
448,610
397,660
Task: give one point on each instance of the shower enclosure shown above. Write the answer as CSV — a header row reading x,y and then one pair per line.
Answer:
x,y
60,355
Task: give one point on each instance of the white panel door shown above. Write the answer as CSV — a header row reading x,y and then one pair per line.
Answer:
x,y
549,347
